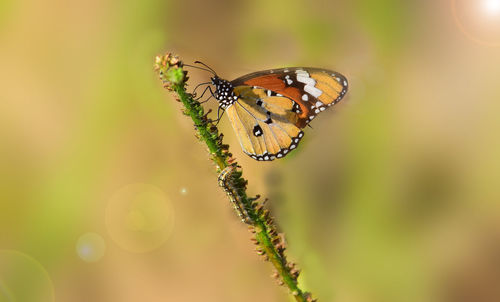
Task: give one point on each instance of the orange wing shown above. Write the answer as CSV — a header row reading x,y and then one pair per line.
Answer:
x,y
313,89
265,124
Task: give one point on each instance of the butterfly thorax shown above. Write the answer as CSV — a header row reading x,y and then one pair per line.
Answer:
x,y
224,92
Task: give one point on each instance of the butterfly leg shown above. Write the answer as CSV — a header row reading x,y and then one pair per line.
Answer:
x,y
219,116
211,94
197,86
204,91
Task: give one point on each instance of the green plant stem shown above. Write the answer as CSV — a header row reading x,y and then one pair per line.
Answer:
x,y
198,118
269,244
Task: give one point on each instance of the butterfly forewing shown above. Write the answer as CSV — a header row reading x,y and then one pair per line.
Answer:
x,y
313,89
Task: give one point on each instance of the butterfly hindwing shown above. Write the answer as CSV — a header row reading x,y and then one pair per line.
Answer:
x,y
265,124
313,89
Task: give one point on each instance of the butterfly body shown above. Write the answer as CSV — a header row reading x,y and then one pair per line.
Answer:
x,y
268,109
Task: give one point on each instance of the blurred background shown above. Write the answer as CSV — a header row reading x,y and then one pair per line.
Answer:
x,y
106,195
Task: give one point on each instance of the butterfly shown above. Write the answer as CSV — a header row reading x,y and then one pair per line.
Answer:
x,y
269,108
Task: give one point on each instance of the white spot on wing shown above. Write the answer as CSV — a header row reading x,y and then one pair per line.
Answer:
x,y
306,79
305,97
315,92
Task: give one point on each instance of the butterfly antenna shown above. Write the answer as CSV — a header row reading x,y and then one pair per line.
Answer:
x,y
198,62
198,67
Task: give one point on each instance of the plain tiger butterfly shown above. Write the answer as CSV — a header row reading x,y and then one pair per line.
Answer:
x,y
268,108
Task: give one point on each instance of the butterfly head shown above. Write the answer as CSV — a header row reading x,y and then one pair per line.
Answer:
x,y
224,92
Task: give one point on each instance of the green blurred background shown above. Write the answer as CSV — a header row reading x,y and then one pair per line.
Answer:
x,y
105,194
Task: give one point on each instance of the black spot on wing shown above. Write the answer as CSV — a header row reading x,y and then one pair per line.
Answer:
x,y
257,131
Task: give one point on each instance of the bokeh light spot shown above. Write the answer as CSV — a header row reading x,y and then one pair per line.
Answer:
x,y
139,217
23,279
492,7
184,191
478,20
90,247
